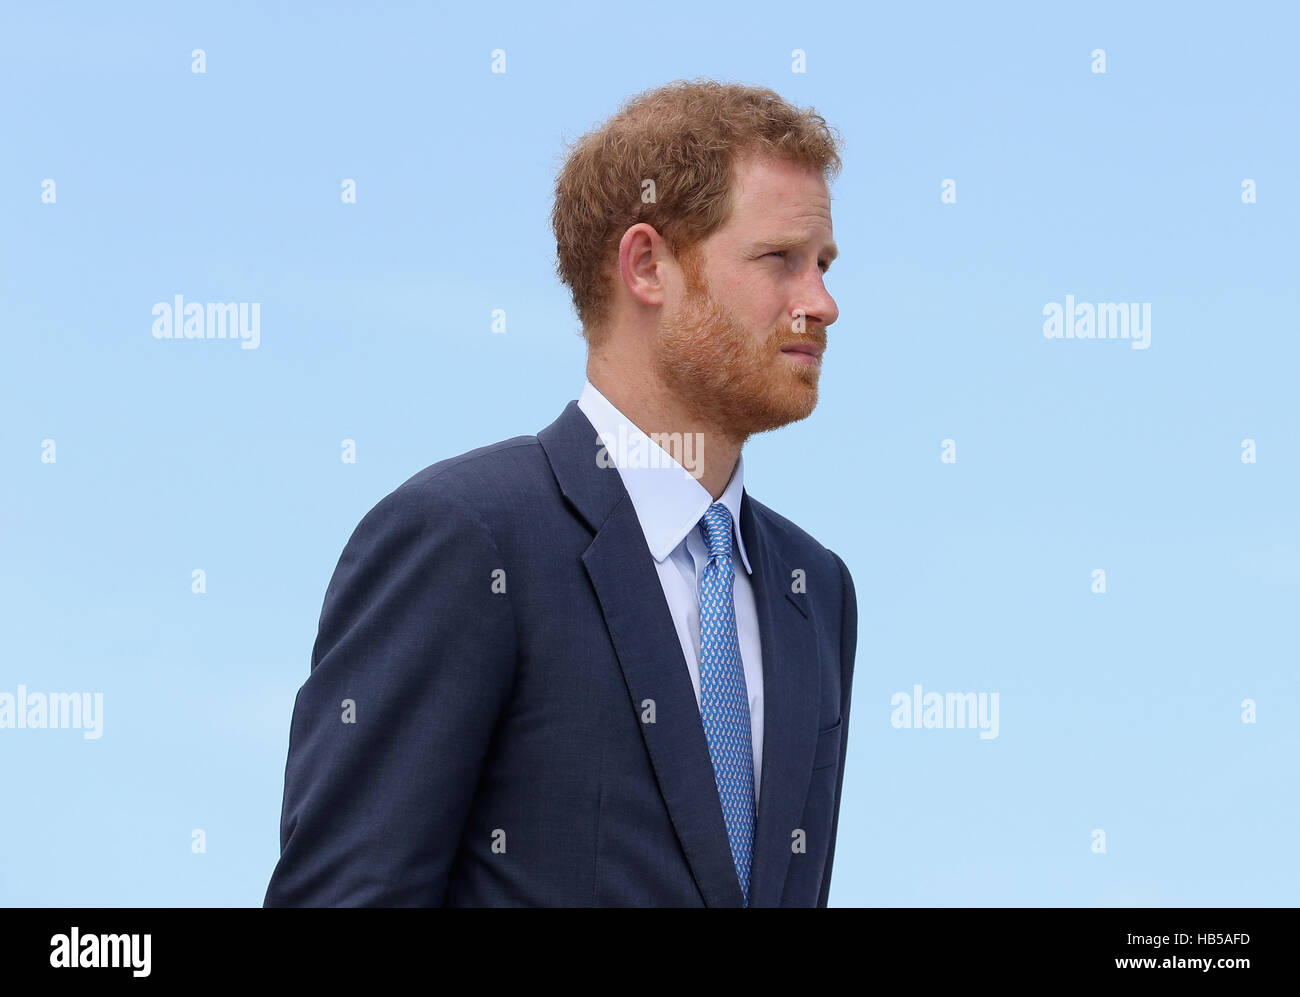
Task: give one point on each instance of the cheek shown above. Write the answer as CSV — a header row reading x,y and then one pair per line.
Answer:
x,y
767,310
757,309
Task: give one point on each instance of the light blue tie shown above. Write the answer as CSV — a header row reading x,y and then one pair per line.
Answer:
x,y
724,699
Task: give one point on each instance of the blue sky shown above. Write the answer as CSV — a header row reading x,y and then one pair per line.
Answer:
x,y
1120,712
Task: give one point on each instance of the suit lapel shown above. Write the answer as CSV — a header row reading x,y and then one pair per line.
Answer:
x,y
631,598
790,695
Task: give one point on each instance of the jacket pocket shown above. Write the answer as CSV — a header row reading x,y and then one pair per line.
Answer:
x,y
828,746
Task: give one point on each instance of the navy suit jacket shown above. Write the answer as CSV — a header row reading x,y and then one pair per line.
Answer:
x,y
498,710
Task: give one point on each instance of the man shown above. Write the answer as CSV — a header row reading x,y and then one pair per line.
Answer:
x,y
586,667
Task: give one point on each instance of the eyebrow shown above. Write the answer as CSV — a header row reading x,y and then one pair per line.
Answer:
x,y
793,241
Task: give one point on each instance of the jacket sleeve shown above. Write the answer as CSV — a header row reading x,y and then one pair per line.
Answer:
x,y
411,669
848,650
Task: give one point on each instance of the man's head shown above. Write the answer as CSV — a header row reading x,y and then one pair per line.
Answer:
x,y
694,229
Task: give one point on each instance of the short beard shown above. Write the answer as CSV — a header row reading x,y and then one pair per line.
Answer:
x,y
724,378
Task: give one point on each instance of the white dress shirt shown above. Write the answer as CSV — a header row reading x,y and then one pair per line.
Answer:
x,y
670,503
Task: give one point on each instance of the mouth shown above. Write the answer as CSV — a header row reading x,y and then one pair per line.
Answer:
x,y
807,353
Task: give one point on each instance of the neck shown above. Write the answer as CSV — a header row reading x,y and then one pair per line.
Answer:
x,y
712,452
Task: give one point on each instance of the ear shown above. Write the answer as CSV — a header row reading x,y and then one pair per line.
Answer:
x,y
644,259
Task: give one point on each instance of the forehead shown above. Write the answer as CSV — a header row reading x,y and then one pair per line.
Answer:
x,y
773,193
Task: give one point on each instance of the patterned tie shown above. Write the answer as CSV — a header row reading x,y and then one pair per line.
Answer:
x,y
724,699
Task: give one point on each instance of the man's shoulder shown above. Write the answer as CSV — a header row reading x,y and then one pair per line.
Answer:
x,y
501,477
506,465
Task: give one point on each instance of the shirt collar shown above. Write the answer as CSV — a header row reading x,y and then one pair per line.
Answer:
x,y
668,500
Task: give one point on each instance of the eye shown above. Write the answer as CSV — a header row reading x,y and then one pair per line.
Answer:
x,y
782,253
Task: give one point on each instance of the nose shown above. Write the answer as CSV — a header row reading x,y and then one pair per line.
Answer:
x,y
818,307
